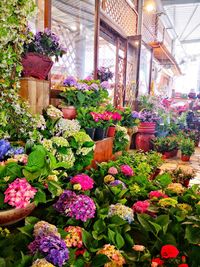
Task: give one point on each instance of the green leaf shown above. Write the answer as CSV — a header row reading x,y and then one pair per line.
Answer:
x,y
119,240
192,234
111,236
2,262
99,260
36,159
40,197
117,220
129,239
64,165
27,229
143,221
87,239
99,226
79,263
156,226
54,188
31,220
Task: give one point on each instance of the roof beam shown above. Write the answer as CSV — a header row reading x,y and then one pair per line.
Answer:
x,y
190,41
179,2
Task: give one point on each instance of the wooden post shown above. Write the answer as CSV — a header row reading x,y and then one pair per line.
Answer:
x,y
36,92
96,36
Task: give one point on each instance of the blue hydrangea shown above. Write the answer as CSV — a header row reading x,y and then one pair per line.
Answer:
x,y
4,147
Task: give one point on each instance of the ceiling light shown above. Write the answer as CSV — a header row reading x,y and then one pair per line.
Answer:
x,y
150,6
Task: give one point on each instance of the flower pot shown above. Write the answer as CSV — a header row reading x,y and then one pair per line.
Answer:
x,y
36,65
12,216
174,152
143,141
90,132
147,127
99,134
69,112
185,158
155,174
111,131
186,182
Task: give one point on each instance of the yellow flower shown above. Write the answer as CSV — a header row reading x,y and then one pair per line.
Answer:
x,y
77,187
52,178
42,263
109,178
184,207
165,202
176,188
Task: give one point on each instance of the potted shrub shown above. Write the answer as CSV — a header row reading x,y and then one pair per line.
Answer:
x,y
38,52
182,175
146,130
168,146
187,147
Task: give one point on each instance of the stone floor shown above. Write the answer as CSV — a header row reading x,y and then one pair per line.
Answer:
x,y
194,163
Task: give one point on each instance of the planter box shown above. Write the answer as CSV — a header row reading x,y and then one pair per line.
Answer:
x,y
36,92
103,151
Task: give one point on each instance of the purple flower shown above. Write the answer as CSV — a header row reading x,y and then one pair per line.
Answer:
x,y
88,78
82,86
105,85
135,115
4,148
149,116
52,248
80,207
118,182
94,86
70,81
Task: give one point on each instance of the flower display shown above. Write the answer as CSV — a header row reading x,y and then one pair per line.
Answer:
x,y
4,147
54,113
43,228
19,193
108,179
40,122
113,254
169,252
122,211
42,263
149,116
176,188
66,127
74,236
157,194
118,182
168,201
80,207
126,170
83,180
112,170
52,247
141,206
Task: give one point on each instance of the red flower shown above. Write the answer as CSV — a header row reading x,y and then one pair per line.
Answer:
x,y
183,265
169,252
158,261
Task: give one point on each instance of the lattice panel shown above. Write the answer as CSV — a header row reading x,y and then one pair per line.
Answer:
x,y
149,30
122,14
120,86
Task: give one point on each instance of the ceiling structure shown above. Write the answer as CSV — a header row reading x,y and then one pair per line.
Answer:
x,y
184,16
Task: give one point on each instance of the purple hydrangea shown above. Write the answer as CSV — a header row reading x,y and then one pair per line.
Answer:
x,y
149,116
105,85
80,207
70,81
94,86
135,115
52,247
4,148
118,182
82,86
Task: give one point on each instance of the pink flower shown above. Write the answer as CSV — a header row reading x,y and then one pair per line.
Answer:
x,y
88,78
83,180
141,206
126,170
138,248
157,194
116,116
19,193
112,170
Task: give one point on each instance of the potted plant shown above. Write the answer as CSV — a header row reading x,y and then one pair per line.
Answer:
x,y
38,52
168,146
104,74
182,175
187,147
146,129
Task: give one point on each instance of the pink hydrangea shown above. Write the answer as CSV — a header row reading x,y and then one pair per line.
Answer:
x,y
126,170
141,206
157,194
19,193
83,180
112,170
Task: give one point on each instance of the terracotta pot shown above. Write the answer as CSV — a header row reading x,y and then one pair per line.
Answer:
x,y
185,158
155,174
143,141
175,152
36,65
111,131
147,127
69,112
99,134
90,132
186,182
12,216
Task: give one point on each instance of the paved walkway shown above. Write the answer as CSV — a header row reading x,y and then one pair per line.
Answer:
x,y
194,163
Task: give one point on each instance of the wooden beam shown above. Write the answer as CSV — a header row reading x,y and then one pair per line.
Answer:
x,y
179,2
96,37
47,13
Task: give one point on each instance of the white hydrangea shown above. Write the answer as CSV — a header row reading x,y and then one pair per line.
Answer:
x,y
67,127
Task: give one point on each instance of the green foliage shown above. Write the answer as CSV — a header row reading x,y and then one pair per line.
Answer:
x,y
187,146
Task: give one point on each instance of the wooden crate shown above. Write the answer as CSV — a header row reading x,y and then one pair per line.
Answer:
x,y
36,92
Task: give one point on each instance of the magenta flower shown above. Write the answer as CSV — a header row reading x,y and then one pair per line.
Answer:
x,y
116,116
141,206
112,170
19,193
157,194
126,170
83,180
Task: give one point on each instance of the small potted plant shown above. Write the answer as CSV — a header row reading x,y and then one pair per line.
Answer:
x,y
168,146
182,175
38,53
104,74
187,147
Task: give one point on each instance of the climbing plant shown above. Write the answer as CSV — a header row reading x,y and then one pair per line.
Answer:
x,y
13,25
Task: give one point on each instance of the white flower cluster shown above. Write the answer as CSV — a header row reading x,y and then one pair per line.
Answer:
x,y
67,127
